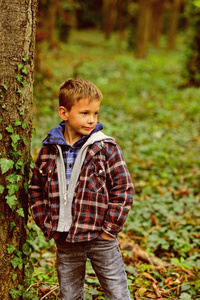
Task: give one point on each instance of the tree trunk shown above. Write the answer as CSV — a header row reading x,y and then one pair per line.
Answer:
x,y
109,15
121,10
144,25
191,69
51,18
17,43
157,20
174,23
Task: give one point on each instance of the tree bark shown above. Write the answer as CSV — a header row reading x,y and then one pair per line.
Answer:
x,y
51,18
174,23
157,21
144,25
121,10
17,43
109,15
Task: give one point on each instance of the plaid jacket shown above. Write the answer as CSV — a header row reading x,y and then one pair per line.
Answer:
x,y
103,194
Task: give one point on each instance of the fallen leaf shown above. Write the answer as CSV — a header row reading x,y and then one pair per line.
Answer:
x,y
142,291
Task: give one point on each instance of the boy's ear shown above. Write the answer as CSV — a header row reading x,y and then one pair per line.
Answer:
x,y
63,113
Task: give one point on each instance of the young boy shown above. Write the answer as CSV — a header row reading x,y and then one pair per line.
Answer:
x,y
80,194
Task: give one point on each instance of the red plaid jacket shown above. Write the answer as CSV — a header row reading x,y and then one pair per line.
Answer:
x,y
103,194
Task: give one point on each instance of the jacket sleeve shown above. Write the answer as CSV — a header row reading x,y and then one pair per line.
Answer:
x,y
120,187
38,199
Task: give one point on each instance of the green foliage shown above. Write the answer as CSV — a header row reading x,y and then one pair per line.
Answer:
x,y
6,164
196,3
15,183
1,189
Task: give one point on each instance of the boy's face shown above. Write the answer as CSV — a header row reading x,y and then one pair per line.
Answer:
x,y
82,118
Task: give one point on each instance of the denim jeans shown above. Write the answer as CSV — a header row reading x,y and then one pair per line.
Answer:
x,y
106,260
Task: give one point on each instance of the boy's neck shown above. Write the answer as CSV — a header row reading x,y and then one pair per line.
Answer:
x,y
70,138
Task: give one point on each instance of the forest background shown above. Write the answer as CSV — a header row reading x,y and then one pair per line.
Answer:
x,y
144,57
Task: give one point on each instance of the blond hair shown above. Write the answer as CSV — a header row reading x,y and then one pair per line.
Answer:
x,y
74,89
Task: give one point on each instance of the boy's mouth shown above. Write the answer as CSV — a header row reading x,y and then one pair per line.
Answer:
x,y
88,128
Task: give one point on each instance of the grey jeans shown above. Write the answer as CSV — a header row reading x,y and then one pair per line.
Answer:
x,y
106,260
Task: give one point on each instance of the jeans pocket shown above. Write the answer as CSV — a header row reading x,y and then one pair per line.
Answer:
x,y
100,238
62,238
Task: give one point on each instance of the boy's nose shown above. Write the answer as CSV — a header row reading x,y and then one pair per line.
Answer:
x,y
91,119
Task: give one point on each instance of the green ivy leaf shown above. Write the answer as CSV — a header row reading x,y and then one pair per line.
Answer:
x,y
20,212
13,154
11,249
19,77
25,59
15,138
12,201
24,71
19,164
13,178
24,83
1,189
18,122
14,277
17,262
4,106
12,225
26,185
5,85
27,249
14,146
12,188
1,136
24,125
25,140
10,129
19,91
19,66
15,293
6,164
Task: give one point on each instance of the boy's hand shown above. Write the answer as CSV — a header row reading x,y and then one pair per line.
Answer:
x,y
106,236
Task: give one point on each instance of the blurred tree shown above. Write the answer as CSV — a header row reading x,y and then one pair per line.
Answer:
x,y
175,9
52,13
192,65
132,23
157,21
89,14
109,16
17,43
144,28
121,18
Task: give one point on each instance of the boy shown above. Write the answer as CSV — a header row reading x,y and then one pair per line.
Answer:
x,y
80,194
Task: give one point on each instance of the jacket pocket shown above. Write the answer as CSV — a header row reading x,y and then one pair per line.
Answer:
x,y
45,173
97,179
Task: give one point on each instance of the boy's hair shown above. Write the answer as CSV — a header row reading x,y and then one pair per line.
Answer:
x,y
74,89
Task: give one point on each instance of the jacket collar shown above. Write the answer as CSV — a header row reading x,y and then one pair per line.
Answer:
x,y
55,136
